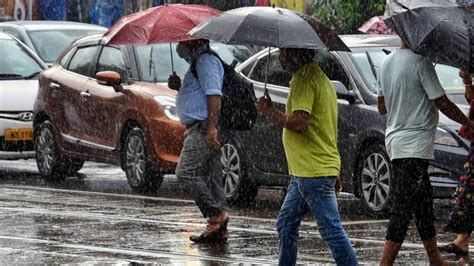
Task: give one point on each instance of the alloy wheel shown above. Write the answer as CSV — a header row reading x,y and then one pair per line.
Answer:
x,y
231,169
375,181
135,160
45,150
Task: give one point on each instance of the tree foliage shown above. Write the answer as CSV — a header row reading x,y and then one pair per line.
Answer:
x,y
345,16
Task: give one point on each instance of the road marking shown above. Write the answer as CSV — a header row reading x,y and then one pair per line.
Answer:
x,y
97,193
199,225
79,192
141,253
93,258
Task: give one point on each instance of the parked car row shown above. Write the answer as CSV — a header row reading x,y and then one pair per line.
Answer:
x,y
111,104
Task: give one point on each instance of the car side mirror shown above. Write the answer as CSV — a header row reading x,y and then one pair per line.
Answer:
x,y
110,78
343,93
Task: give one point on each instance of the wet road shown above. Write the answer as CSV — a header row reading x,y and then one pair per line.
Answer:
x,y
96,218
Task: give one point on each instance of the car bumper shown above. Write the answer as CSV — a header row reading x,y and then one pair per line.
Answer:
x,y
7,155
166,138
8,123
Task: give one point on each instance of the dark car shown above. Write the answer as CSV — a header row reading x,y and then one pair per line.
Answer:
x,y
256,158
111,104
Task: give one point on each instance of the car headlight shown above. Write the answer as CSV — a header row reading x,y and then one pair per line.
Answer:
x,y
168,104
443,137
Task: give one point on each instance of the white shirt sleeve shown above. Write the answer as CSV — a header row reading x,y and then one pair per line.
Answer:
x,y
429,79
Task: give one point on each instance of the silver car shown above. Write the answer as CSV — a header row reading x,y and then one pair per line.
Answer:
x,y
256,158
48,38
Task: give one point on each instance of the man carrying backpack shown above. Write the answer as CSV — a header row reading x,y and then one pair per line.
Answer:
x,y
198,107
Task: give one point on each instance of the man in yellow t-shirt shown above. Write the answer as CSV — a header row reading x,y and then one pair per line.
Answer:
x,y
310,141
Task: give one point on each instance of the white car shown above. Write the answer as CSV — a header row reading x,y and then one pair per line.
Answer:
x,y
49,38
19,70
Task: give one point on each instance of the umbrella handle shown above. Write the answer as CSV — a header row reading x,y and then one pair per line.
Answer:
x,y
265,89
172,63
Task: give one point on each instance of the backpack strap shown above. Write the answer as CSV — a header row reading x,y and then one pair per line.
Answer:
x,y
193,64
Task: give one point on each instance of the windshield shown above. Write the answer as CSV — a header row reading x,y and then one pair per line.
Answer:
x,y
369,62
162,59
50,43
15,62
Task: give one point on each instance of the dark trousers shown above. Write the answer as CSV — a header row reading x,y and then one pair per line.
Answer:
x,y
412,194
199,170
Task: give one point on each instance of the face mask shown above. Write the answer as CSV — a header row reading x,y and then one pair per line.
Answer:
x,y
184,52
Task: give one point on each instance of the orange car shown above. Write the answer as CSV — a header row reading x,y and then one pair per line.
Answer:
x,y
97,103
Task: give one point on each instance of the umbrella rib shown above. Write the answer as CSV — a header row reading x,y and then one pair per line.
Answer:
x,y
422,39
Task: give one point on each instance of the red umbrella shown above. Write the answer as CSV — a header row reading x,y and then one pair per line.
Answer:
x,y
166,23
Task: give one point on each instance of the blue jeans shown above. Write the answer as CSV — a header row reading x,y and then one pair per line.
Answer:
x,y
317,195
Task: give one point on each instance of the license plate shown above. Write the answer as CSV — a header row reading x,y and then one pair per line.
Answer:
x,y
18,134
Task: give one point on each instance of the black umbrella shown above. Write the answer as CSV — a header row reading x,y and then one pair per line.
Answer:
x,y
439,30
272,27
267,26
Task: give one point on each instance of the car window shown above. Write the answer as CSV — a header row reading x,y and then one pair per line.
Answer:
x,y
111,59
231,54
15,34
369,61
65,58
159,62
161,59
276,74
247,69
449,78
81,61
50,43
331,67
15,62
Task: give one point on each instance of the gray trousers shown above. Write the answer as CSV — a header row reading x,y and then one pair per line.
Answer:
x,y
200,171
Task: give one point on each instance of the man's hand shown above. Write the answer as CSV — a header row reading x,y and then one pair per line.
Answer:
x,y
174,82
466,77
381,105
264,104
212,139
338,186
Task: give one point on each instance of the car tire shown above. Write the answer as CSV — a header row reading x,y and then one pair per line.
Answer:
x,y
374,178
48,159
136,163
239,191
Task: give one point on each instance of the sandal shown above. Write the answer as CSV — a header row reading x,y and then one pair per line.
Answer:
x,y
454,249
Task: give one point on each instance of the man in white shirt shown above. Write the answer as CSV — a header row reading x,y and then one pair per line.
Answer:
x,y
411,95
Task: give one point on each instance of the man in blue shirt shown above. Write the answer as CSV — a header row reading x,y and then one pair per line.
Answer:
x,y
198,106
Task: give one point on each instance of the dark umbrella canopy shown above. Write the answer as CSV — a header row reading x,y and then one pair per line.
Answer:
x,y
267,26
439,30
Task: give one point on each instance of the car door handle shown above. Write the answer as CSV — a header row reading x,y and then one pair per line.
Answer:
x,y
85,94
54,86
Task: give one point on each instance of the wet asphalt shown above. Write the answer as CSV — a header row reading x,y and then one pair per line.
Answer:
x,y
94,218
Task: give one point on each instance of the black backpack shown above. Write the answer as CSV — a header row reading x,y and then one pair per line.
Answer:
x,y
238,108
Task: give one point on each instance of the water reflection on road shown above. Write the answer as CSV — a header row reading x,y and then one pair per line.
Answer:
x,y
96,218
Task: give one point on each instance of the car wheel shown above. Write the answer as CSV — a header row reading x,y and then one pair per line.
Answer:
x,y
238,190
47,155
375,180
136,164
